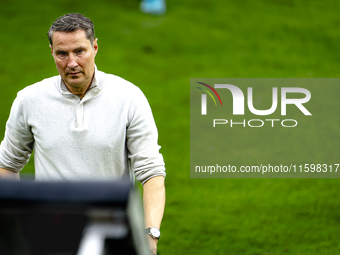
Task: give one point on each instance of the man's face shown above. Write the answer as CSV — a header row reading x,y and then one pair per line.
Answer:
x,y
74,57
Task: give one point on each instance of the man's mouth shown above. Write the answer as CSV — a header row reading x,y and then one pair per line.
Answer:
x,y
73,72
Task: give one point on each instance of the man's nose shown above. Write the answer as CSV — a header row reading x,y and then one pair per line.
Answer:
x,y
72,63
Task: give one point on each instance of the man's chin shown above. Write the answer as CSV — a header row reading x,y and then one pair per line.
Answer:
x,y
74,82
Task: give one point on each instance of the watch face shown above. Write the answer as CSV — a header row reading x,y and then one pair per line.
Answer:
x,y
155,232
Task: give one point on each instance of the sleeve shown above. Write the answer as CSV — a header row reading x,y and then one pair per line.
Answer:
x,y
17,146
142,140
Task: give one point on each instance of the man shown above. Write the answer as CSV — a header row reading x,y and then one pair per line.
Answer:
x,y
85,124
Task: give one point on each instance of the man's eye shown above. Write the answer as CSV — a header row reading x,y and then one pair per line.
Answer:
x,y
79,51
62,54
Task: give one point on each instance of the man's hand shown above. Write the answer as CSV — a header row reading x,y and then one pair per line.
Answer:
x,y
154,202
7,174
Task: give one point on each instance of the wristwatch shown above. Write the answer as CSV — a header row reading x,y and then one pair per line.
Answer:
x,y
153,232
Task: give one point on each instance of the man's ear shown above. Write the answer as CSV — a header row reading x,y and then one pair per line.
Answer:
x,y
95,46
51,49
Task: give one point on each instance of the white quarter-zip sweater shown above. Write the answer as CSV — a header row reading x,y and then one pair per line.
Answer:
x,y
108,134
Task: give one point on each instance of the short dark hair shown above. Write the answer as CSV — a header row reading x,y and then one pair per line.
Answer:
x,y
72,22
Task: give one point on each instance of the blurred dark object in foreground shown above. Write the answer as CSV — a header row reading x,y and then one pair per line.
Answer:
x,y
70,218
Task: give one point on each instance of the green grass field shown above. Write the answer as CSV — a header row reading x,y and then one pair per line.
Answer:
x,y
201,39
